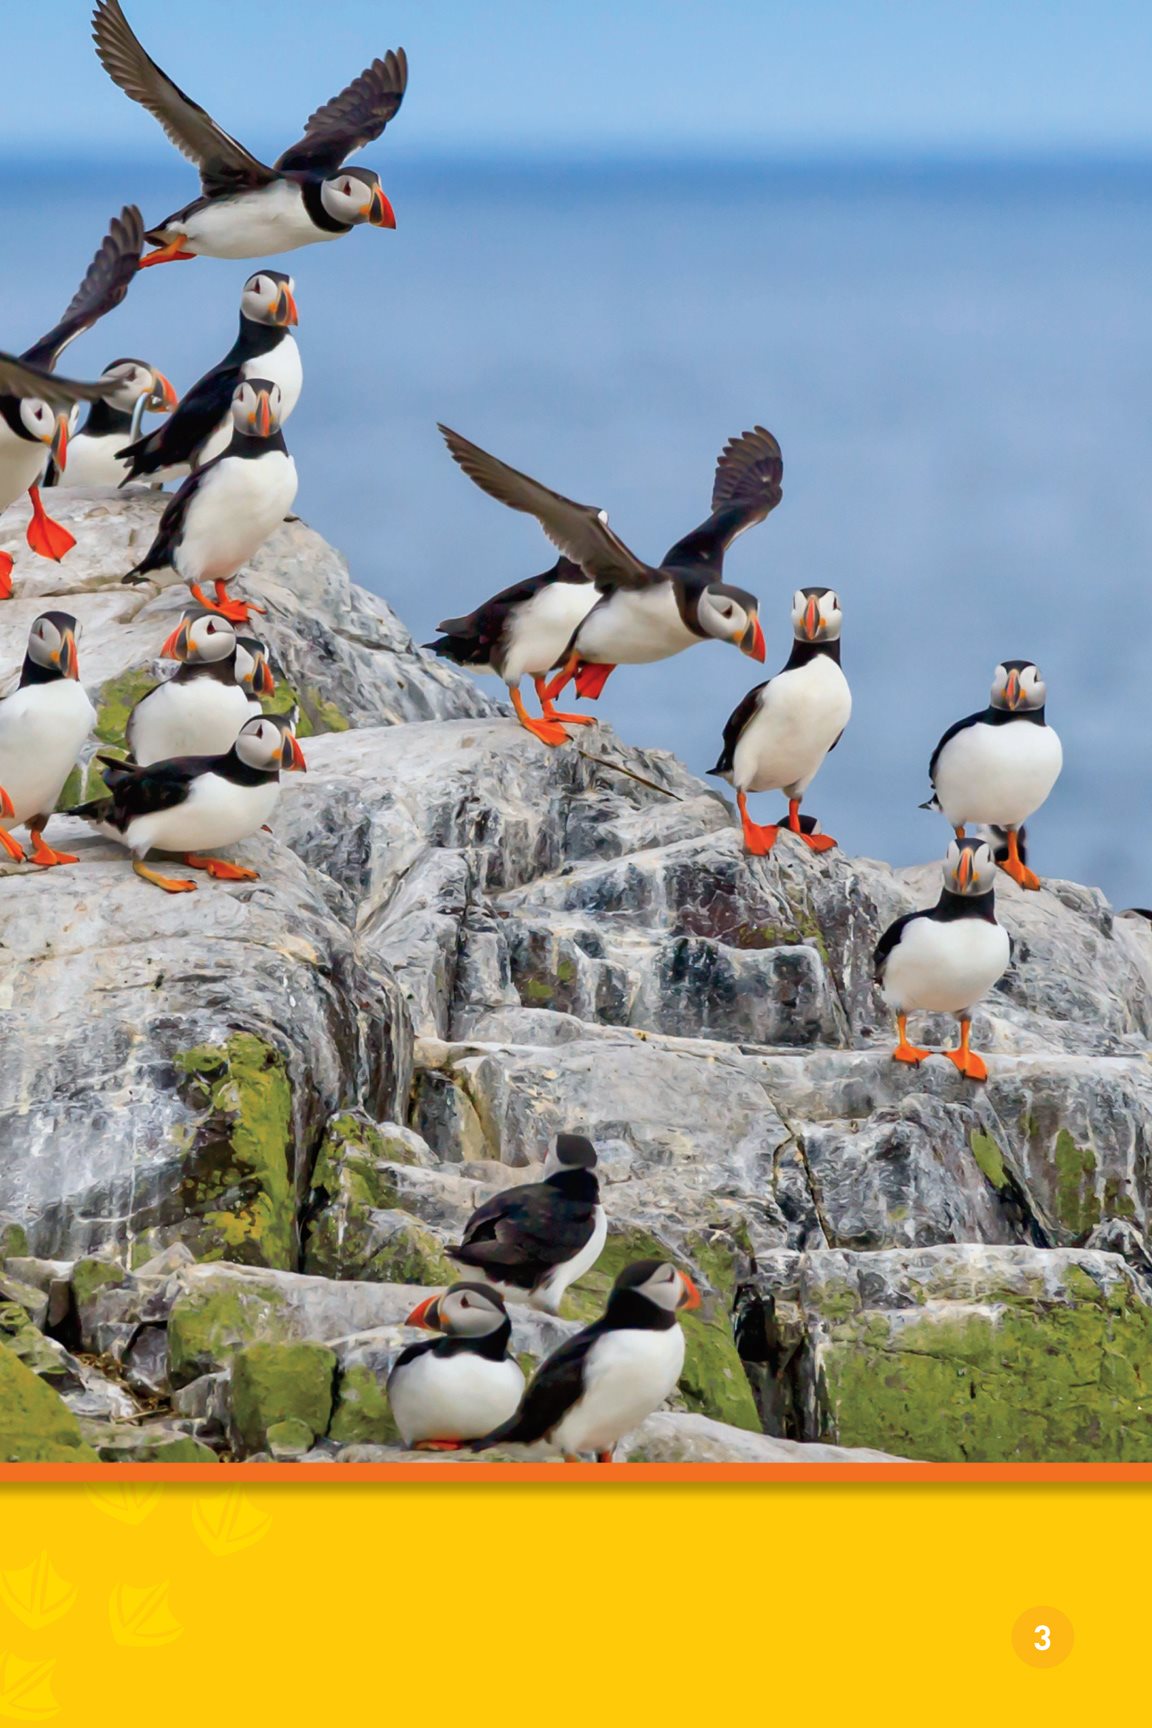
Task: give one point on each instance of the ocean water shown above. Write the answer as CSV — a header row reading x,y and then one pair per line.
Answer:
x,y
957,360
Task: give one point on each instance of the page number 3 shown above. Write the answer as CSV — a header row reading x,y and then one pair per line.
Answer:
x,y
1042,1637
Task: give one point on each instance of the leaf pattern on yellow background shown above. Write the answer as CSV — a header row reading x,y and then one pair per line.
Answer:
x,y
229,1521
26,1690
129,1503
140,1615
37,1595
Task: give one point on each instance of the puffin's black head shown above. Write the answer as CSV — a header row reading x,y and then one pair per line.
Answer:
x,y
658,1282
1017,685
816,615
52,644
256,406
464,1310
969,868
355,195
732,615
571,1152
253,669
267,742
202,638
129,380
269,297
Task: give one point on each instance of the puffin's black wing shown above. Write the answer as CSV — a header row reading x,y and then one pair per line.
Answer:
x,y
140,791
532,1228
224,164
580,531
748,484
960,726
159,554
470,640
199,413
104,286
354,118
888,941
551,1393
19,379
735,725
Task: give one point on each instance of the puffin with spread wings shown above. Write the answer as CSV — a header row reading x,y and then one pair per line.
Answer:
x,y
247,209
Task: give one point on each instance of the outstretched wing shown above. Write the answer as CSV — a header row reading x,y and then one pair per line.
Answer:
x,y
747,486
104,286
580,531
17,378
224,164
352,119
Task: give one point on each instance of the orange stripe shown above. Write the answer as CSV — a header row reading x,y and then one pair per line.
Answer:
x,y
557,1472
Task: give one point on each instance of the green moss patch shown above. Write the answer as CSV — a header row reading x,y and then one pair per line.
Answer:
x,y
358,1228
207,1326
363,1415
36,1427
989,1157
275,1383
1077,1202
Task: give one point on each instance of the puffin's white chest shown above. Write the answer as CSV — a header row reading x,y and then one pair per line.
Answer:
x,y
634,626
540,631
242,501
92,462
252,225
945,967
281,365
42,729
801,714
21,464
627,1375
997,774
187,717
457,1397
217,812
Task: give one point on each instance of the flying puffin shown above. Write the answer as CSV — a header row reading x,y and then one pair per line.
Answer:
x,y
247,210
780,734
943,960
222,514
201,426
460,1386
532,1242
646,612
525,629
193,805
94,451
998,766
604,1382
34,415
43,724
199,711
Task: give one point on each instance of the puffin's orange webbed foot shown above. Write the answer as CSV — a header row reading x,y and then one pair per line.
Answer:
x,y
818,842
170,884
5,575
904,1051
46,537
547,728
973,1067
605,1457
438,1446
236,611
46,856
221,869
1020,873
170,254
9,845
758,841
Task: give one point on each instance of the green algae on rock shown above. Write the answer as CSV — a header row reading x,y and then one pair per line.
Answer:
x,y
275,1383
363,1415
207,1326
36,1427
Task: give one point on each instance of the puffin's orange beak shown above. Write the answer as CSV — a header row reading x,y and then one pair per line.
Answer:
x,y
264,415
964,869
176,646
7,808
58,444
1012,690
284,309
812,620
426,1314
378,210
690,1296
752,642
163,398
292,757
263,682
70,658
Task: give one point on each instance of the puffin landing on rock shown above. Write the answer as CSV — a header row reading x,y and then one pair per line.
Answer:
x,y
43,725
460,1386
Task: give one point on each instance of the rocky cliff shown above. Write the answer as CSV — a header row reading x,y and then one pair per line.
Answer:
x,y
239,1126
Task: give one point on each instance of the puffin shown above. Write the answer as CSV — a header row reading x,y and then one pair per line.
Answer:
x,y
222,514
201,426
254,672
604,1382
646,612
781,732
191,804
525,630
34,415
460,1386
945,959
95,458
43,724
532,1242
246,209
199,711
998,766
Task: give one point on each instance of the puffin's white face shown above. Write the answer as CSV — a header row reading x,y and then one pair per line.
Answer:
x,y
731,615
816,615
210,639
37,419
663,1284
355,195
269,744
256,407
52,643
269,297
1017,684
464,1311
969,867
253,671
132,379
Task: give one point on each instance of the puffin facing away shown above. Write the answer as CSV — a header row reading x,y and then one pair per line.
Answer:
x,y
945,959
43,724
646,612
998,766
780,734
533,1242
222,514
95,457
196,804
248,210
460,1386
199,711
603,1382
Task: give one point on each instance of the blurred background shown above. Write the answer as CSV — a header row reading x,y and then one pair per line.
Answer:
x,y
914,241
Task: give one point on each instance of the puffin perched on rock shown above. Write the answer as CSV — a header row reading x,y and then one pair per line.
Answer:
x,y
193,805
780,734
534,1241
43,725
246,209
603,1382
199,711
646,612
254,672
94,451
998,766
945,959
460,1386
201,427
222,514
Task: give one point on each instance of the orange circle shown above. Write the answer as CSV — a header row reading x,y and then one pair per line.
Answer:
x,y
1042,1637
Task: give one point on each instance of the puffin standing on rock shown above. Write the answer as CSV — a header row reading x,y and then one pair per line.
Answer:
x,y
607,1379
94,452
998,766
222,514
200,710
534,1241
195,803
43,725
780,734
246,209
945,959
645,612
460,1386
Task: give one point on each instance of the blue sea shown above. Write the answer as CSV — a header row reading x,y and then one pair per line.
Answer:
x,y
956,358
